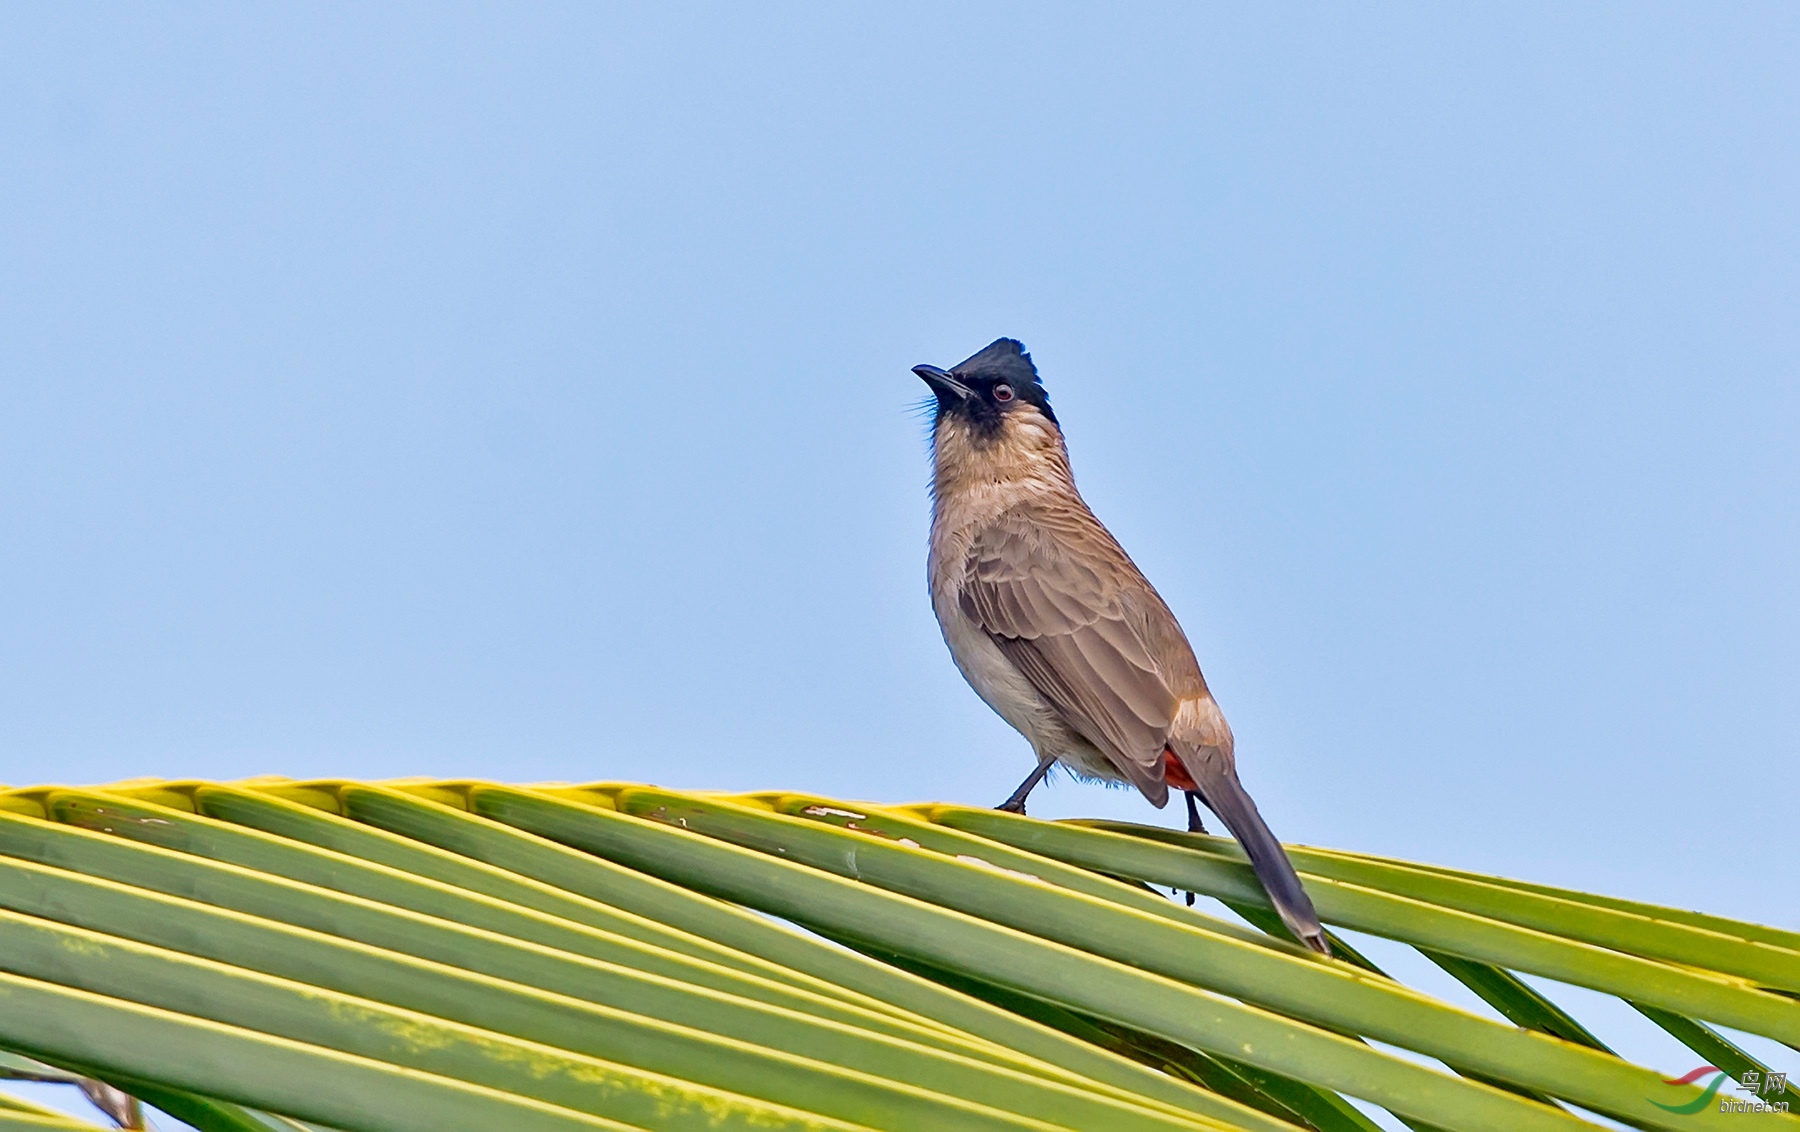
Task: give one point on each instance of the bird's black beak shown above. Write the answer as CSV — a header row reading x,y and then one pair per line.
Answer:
x,y
942,382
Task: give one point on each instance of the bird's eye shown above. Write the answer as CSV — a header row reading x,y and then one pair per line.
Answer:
x,y
1003,392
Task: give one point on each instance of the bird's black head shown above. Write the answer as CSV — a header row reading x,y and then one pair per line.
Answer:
x,y
984,388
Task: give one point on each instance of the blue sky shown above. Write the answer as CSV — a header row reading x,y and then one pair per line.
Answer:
x,y
524,393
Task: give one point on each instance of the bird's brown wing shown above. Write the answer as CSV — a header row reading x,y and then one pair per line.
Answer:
x,y
1066,605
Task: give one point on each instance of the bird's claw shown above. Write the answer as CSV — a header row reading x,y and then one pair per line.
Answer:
x,y
1195,825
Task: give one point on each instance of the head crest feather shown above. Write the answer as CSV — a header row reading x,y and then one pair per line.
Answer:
x,y
1003,358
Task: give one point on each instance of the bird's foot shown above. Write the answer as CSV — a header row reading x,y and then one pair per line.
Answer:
x,y
1195,825
1016,803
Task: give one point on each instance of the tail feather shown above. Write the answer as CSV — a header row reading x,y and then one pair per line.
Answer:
x,y
1225,795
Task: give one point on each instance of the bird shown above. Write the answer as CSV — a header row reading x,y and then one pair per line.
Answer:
x,y
1055,627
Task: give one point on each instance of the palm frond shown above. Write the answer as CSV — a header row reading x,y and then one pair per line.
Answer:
x,y
448,955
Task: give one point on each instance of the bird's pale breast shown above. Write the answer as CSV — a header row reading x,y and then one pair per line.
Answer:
x,y
995,678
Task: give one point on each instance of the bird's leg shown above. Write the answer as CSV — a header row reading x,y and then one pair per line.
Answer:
x,y
1016,803
1195,825
1175,773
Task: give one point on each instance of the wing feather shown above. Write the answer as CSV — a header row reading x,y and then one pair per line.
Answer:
x,y
1062,600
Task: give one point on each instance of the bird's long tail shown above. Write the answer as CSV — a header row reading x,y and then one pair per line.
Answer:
x,y
1224,795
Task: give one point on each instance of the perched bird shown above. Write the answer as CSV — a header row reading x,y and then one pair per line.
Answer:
x,y
1054,626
